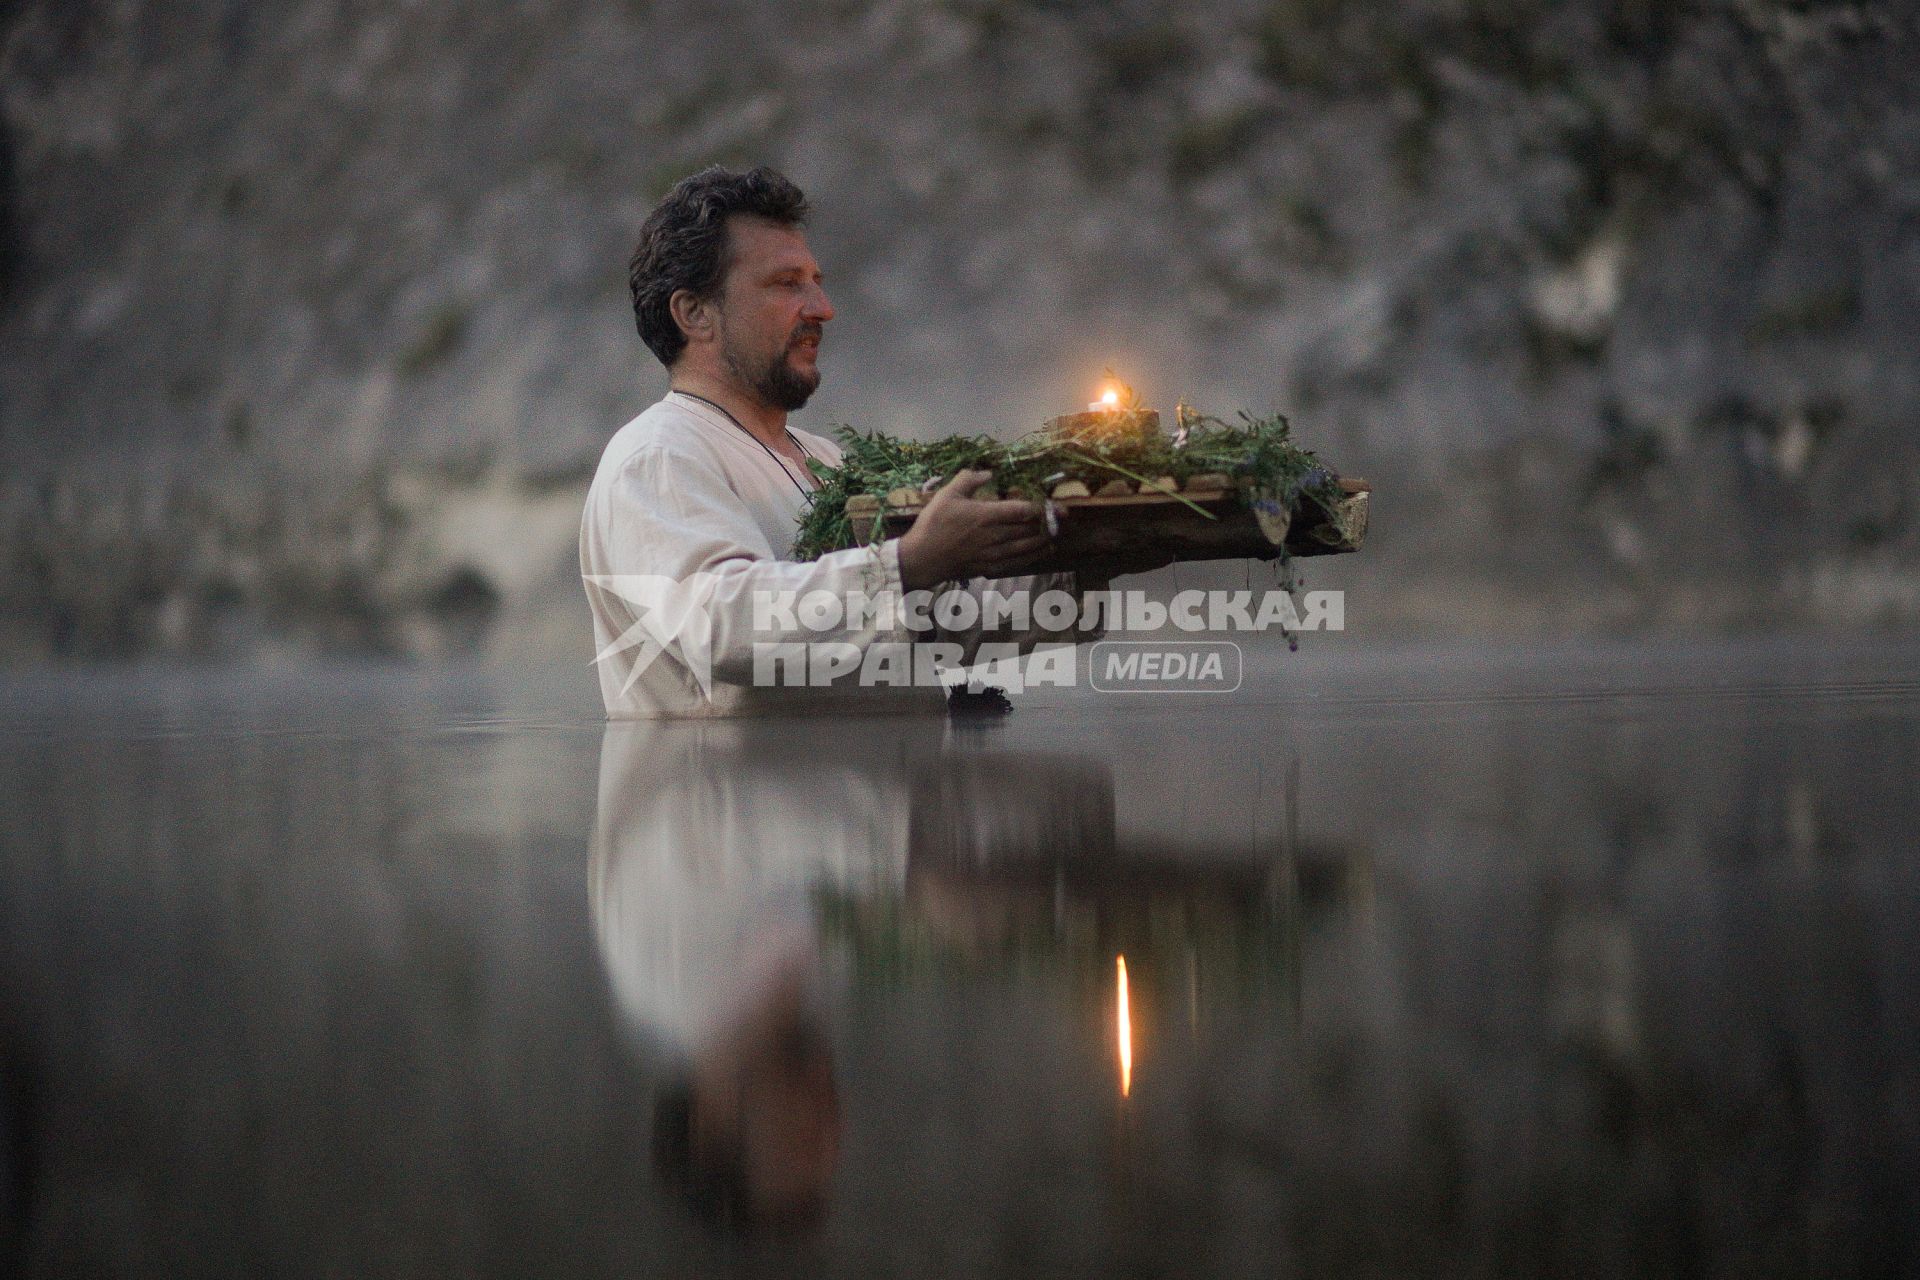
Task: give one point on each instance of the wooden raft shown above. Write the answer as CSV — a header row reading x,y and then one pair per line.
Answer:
x,y
1109,522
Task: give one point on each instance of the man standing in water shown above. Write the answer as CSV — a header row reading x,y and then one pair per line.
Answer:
x,y
693,510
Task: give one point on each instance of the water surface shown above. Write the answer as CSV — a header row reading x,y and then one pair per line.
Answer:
x,y
1594,961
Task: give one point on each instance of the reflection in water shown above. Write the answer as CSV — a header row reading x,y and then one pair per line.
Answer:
x,y
704,854
741,869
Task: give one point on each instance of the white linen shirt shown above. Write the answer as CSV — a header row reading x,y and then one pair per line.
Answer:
x,y
682,490
710,841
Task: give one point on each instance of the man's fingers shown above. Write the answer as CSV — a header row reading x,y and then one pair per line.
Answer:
x,y
1011,511
966,482
1003,559
1025,542
998,544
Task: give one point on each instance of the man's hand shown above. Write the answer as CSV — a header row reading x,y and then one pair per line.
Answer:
x,y
959,536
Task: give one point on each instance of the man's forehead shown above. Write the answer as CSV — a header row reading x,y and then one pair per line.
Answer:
x,y
765,245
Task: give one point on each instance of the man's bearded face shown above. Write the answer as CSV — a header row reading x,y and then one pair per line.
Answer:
x,y
772,313
773,376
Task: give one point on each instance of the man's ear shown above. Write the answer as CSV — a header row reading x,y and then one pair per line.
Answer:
x,y
694,315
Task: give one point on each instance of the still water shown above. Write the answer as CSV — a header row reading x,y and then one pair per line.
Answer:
x,y
1598,962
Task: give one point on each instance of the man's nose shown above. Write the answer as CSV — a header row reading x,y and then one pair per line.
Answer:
x,y
819,307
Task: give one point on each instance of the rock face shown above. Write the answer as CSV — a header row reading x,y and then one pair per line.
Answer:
x,y
314,318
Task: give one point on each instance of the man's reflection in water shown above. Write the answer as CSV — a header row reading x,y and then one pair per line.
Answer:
x,y
711,845
751,1133
708,840
721,848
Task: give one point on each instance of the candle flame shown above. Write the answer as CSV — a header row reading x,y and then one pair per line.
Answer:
x,y
1110,398
1124,1026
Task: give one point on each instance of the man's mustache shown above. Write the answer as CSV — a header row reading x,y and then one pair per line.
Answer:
x,y
803,331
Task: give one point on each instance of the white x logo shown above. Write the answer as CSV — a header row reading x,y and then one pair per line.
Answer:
x,y
667,611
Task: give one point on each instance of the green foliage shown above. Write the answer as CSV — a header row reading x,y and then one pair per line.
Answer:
x,y
1631,451
442,335
1260,450
1204,144
1242,947
1811,313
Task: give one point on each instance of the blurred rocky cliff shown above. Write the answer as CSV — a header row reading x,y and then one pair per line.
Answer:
x,y
313,315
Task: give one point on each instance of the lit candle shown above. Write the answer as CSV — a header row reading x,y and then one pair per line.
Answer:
x,y
1109,401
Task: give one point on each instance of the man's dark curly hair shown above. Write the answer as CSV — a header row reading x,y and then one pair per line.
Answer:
x,y
683,244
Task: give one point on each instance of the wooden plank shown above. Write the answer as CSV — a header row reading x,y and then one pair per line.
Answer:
x,y
1098,526
866,504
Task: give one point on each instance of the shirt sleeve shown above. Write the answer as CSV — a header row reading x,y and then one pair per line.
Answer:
x,y
670,517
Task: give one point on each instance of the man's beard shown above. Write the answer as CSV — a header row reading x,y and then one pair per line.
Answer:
x,y
774,381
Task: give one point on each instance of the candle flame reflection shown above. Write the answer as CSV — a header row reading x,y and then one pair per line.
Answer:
x,y
1124,1026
